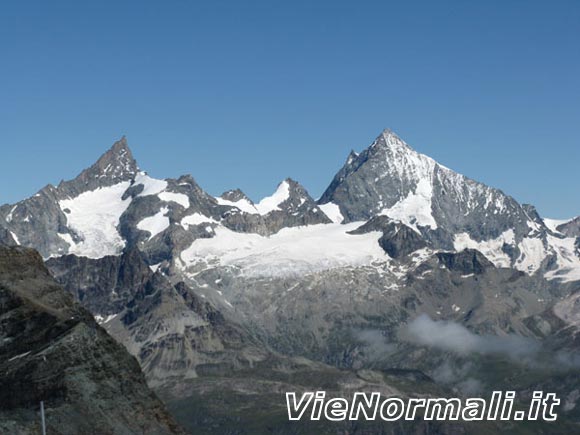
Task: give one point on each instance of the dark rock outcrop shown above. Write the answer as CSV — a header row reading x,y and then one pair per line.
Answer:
x,y
6,238
52,350
571,228
105,285
398,240
467,261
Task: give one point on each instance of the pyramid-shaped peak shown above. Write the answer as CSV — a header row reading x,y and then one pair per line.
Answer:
x,y
287,192
117,160
291,188
293,184
389,139
114,166
121,146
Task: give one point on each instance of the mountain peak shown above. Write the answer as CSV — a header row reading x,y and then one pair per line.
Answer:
x,y
114,166
292,183
120,145
391,178
288,194
291,188
235,195
117,161
388,132
387,160
389,139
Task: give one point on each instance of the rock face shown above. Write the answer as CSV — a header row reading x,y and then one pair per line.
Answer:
x,y
169,328
571,228
106,285
52,350
113,167
6,238
290,206
467,262
391,178
398,240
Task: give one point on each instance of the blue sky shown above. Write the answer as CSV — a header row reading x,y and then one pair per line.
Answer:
x,y
244,94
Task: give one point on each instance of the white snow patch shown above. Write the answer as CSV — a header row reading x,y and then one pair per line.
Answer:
x,y
271,203
155,224
67,238
553,224
154,267
332,211
179,198
94,216
532,253
196,219
291,251
9,216
151,186
102,320
243,204
567,260
492,248
22,355
415,209
15,237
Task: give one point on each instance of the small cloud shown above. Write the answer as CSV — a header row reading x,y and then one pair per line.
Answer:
x,y
376,345
456,338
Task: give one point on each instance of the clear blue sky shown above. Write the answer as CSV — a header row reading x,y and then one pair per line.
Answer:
x,y
244,94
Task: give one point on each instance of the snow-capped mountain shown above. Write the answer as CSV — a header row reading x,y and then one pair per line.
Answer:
x,y
449,210
192,284
114,205
390,178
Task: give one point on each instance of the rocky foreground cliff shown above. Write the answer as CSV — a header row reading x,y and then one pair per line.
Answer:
x,y
52,350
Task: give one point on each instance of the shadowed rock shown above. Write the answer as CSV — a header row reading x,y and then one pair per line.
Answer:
x,y
52,350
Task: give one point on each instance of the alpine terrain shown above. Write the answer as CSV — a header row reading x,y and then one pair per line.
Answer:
x,y
404,277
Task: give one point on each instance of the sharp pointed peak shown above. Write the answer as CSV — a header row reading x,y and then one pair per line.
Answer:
x,y
117,163
290,181
292,186
352,156
114,166
388,138
121,141
119,150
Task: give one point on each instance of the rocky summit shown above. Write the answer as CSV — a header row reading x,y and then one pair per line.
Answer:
x,y
226,296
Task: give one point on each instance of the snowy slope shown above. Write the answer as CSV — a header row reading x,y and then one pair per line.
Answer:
x,y
271,203
291,251
93,217
243,204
